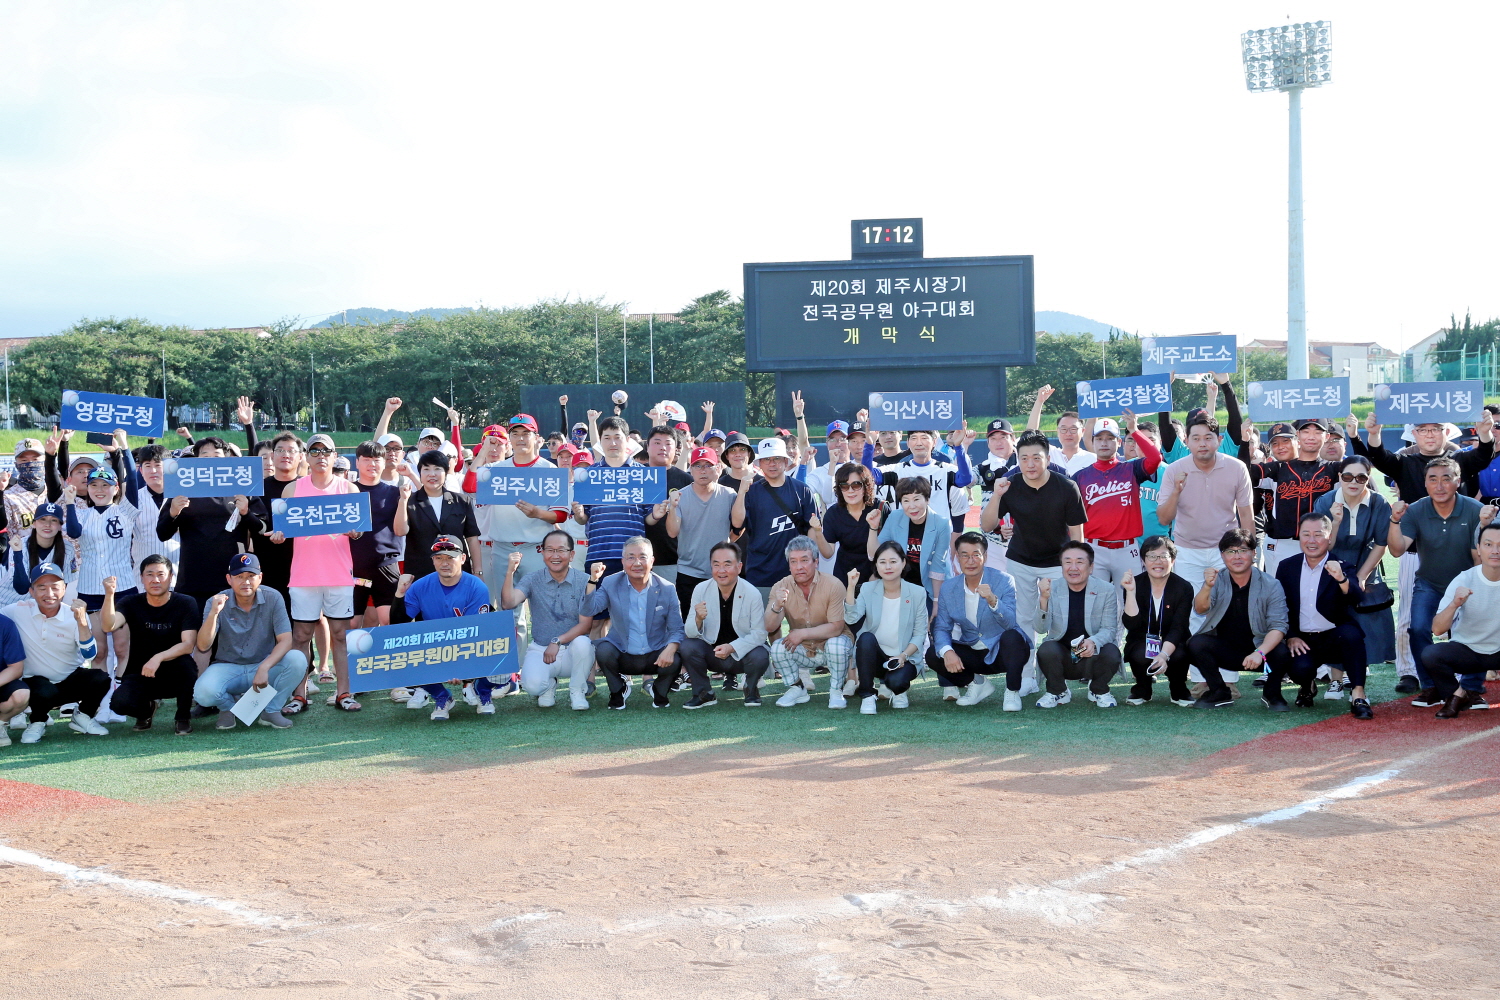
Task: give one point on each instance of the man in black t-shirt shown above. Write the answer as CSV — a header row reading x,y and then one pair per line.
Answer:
x,y
163,629
276,558
377,553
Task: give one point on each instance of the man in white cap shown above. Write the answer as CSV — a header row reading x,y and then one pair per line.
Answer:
x,y
770,509
1112,500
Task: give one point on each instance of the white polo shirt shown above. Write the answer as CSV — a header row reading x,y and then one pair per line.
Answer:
x,y
51,643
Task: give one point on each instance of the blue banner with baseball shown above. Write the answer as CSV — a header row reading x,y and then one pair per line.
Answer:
x,y
1108,397
104,414
627,484
1458,402
297,517
916,411
1194,355
432,652
501,486
213,477
1297,398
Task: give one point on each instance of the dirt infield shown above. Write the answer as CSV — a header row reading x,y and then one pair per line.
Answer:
x,y
872,871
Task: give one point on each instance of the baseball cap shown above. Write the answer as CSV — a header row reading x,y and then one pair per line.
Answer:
x,y
581,456
28,444
713,432
50,510
341,463
681,426
525,420
244,562
322,439
669,411
842,426
1317,422
385,440
102,474
1000,425
46,569
81,458
857,427
430,432
495,430
1282,429
703,455
1107,426
447,543
772,447
580,427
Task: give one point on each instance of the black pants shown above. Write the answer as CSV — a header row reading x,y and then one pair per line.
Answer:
x,y
1342,646
1011,661
870,663
615,662
685,585
85,685
1177,668
1059,667
1210,654
1450,665
699,660
174,679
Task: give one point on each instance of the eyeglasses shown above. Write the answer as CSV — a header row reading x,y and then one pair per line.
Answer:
x,y
319,452
970,556
554,551
1240,551
1354,477
1158,557
286,452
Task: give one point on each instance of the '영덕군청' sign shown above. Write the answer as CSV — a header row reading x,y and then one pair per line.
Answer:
x,y
1298,398
1203,352
626,484
1107,397
1429,402
503,486
916,411
103,413
212,477
432,652
297,517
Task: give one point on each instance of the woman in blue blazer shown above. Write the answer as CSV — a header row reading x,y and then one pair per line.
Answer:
x,y
889,646
927,559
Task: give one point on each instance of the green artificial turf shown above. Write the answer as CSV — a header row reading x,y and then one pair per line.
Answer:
x,y
388,739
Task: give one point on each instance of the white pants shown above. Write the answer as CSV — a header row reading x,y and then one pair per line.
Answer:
x,y
1112,566
1274,550
1028,600
1191,566
574,661
1406,566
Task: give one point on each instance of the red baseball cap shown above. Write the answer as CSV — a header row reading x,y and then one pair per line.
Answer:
x,y
525,420
582,457
704,455
495,430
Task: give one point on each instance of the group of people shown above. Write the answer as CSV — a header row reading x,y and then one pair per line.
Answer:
x,y
1161,549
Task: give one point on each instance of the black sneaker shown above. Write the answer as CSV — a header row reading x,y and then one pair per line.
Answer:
x,y
1306,698
1427,698
730,684
1360,709
1278,703
142,724
699,701
661,701
1259,682
183,728
682,684
1211,700
752,698
617,701
199,712
1407,685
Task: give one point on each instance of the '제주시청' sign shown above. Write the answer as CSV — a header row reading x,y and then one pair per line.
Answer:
x,y
1107,397
1204,352
916,411
105,414
1429,402
432,652
298,517
1298,398
502,486
212,477
627,484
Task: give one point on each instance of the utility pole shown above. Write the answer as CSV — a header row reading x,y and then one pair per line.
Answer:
x,y
312,381
651,333
625,348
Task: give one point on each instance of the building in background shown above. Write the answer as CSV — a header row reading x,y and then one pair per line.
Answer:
x,y
1366,363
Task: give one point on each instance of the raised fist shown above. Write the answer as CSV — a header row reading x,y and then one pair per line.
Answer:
x,y
986,594
596,572
872,518
1210,577
1128,583
1334,569
513,562
1044,587
1461,595
216,603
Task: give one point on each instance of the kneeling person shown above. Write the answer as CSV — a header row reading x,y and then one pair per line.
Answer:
x,y
59,650
980,604
645,625
812,603
1470,614
248,634
1321,594
894,611
1080,637
1244,619
560,645
163,631
727,610
448,592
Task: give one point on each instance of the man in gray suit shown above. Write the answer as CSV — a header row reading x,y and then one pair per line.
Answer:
x,y
645,625
1081,628
725,630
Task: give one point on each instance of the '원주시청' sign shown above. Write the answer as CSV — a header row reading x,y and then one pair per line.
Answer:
x,y
212,477
1107,397
1429,402
1298,398
1194,355
103,413
298,517
503,486
432,652
916,411
626,484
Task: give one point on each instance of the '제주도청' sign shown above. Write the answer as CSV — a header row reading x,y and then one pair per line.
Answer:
x,y
212,477
105,414
1204,352
916,411
1429,402
298,517
503,486
627,484
1298,398
432,652
1107,397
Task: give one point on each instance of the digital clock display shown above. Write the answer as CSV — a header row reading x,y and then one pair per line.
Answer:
x,y
886,237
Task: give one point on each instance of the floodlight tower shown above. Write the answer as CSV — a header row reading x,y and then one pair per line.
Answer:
x,y
1291,58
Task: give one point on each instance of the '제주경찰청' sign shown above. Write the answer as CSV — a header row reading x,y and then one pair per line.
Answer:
x,y
503,486
627,484
105,414
1298,398
1108,397
212,477
432,652
1194,355
1429,402
297,517
916,411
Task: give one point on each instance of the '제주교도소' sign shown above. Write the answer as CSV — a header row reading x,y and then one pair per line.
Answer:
x,y
1194,355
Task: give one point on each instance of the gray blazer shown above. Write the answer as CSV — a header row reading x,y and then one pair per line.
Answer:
x,y
1101,612
664,624
1267,604
869,604
748,616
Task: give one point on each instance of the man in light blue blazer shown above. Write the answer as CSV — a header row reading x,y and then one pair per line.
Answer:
x,y
645,625
975,633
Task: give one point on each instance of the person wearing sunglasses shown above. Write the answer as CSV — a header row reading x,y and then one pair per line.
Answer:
x,y
844,533
1361,523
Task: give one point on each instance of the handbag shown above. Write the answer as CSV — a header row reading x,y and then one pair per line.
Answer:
x,y
1377,596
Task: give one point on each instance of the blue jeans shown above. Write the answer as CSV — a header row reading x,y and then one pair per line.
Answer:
x,y
1425,598
222,684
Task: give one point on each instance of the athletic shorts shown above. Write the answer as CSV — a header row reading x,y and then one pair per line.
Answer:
x,y
11,687
382,589
310,603
93,602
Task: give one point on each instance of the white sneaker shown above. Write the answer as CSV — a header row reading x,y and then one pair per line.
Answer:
x,y
1028,686
105,714
850,686
440,714
867,706
579,700
794,696
1324,673
400,695
1335,691
331,700
547,698
1012,701
471,697
418,698
1105,700
884,692
81,723
19,722
1048,700
485,708
900,701
836,699
312,687
1065,697
4,737
808,684
981,689
34,732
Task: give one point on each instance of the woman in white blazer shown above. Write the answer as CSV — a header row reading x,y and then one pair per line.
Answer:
x,y
889,645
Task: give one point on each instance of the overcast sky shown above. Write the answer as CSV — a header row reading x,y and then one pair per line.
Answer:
x,y
229,164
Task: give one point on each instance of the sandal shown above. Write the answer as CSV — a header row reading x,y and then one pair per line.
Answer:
x,y
295,704
326,677
347,703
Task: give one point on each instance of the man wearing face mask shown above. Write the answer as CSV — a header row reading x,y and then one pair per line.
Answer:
x,y
26,485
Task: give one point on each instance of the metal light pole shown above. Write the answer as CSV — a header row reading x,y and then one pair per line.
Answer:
x,y
1292,58
312,383
10,423
625,350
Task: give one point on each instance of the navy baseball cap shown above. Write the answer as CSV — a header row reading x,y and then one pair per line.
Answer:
x,y
50,510
245,562
46,569
713,432
841,426
1282,429
1000,425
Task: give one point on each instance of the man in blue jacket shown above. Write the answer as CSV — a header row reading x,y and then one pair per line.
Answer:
x,y
645,625
980,605
1321,594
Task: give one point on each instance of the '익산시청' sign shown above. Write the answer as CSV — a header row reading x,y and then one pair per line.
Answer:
x,y
1295,399
298,517
1193,355
104,414
1107,397
212,477
1429,402
916,411
625,484
432,652
501,485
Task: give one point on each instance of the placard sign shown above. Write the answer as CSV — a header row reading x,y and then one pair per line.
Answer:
x,y
1108,397
298,517
1297,398
1203,352
213,477
99,411
1429,402
432,652
916,411
626,484
499,486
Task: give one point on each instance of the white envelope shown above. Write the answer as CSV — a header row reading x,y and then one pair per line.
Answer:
x,y
252,703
